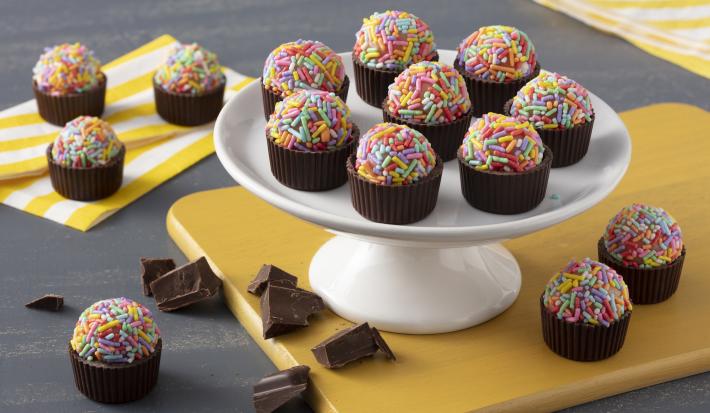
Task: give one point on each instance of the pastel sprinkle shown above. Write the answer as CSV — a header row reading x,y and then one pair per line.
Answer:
x,y
643,236
85,142
190,69
66,69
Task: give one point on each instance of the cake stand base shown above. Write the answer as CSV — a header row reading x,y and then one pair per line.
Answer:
x,y
415,289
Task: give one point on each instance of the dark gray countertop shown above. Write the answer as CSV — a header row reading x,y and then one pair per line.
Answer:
x,y
210,362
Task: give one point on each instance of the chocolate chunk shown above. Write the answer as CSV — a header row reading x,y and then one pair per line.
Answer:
x,y
186,285
271,274
154,268
274,390
349,345
284,309
49,302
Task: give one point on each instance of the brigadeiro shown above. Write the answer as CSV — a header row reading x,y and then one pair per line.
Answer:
x,y
386,44
189,86
560,110
431,97
86,160
303,64
67,82
585,311
495,61
115,351
504,166
394,175
310,137
645,245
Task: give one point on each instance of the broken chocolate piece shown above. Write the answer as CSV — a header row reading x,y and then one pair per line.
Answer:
x,y
186,285
271,274
274,390
154,268
284,309
349,345
50,302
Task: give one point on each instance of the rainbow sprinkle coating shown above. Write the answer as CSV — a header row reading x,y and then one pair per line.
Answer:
x,y
428,92
643,236
497,53
499,143
85,142
303,64
66,69
117,330
392,154
587,292
311,121
393,40
552,101
190,69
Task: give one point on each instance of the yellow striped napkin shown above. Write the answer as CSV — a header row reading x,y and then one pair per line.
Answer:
x,y
674,30
157,150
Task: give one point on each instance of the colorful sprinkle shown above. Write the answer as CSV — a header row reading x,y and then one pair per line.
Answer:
x,y
85,142
587,292
113,331
428,92
497,53
66,69
500,143
303,64
393,40
643,236
392,154
311,121
190,69
552,101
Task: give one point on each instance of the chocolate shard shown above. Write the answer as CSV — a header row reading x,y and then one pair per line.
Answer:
x,y
284,309
49,302
186,285
154,268
274,390
271,274
349,345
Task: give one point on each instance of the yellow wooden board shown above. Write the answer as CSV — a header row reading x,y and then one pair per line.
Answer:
x,y
502,365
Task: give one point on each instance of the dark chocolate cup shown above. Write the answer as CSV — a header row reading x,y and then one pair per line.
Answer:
x,y
646,285
582,342
311,171
398,205
489,96
59,110
445,138
106,383
505,193
371,84
568,145
188,110
269,98
87,184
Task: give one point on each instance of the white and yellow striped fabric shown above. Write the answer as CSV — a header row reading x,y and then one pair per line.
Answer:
x,y
157,150
674,30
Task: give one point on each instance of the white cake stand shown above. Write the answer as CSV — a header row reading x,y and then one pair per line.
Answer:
x,y
445,273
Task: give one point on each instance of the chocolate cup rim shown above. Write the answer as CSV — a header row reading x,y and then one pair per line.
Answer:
x,y
435,173
545,160
509,104
468,115
620,264
346,84
462,70
221,86
102,84
158,348
391,71
355,137
115,160
579,323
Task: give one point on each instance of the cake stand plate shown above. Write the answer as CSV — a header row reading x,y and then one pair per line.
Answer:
x,y
441,274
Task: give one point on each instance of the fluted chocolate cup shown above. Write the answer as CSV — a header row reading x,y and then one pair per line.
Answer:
x,y
445,138
646,285
59,110
488,95
394,204
120,383
188,110
311,171
86,184
580,341
505,193
568,145
269,98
